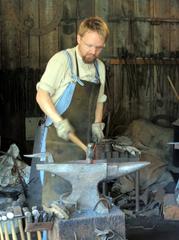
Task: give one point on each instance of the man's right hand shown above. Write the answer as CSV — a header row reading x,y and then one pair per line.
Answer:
x,y
63,129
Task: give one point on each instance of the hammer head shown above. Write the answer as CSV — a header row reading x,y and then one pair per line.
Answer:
x,y
90,152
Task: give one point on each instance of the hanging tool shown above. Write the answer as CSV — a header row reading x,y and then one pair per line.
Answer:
x,y
173,88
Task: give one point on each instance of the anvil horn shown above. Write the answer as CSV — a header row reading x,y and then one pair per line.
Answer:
x,y
121,169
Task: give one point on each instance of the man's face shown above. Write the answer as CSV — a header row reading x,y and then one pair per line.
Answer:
x,y
90,46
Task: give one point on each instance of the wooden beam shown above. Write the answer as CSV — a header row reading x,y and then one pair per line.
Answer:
x,y
119,61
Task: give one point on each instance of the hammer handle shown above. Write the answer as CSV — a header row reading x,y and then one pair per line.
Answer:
x,y
14,236
1,233
28,234
39,236
77,141
21,230
6,231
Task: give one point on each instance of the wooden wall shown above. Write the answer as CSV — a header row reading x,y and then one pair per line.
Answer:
x,y
31,31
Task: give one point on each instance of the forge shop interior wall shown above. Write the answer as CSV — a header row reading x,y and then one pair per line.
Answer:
x,y
141,53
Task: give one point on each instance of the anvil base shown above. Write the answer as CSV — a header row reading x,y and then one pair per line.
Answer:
x,y
86,225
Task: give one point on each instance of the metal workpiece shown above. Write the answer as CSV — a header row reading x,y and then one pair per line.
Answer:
x,y
85,177
46,156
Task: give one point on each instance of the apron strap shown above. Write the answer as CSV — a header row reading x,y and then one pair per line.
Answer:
x,y
74,77
97,77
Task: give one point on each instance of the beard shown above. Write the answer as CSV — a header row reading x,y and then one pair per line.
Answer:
x,y
89,58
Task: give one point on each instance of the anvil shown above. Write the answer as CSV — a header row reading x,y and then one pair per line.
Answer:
x,y
84,178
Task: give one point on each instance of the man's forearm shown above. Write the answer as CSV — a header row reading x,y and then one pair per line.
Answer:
x,y
47,106
99,112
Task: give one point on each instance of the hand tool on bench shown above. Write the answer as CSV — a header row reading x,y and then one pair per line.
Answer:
x,y
18,214
36,215
10,216
28,219
4,218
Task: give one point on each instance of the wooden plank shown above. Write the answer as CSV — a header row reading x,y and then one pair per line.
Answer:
x,y
1,30
128,9
143,40
174,28
121,34
101,9
68,25
143,32
49,41
161,31
85,9
10,37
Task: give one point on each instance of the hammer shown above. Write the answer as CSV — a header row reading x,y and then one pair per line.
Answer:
x,y
36,215
28,219
4,218
90,152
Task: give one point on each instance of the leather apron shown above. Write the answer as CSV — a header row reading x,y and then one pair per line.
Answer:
x,y
81,115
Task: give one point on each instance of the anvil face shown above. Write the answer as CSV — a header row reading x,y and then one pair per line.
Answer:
x,y
84,178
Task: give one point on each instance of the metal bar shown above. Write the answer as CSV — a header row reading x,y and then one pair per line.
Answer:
x,y
137,177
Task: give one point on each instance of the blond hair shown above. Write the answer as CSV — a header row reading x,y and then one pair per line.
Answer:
x,y
96,24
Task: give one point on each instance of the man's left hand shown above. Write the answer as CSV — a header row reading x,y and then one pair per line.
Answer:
x,y
97,132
